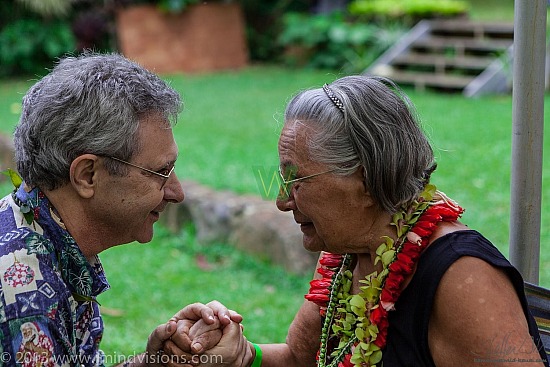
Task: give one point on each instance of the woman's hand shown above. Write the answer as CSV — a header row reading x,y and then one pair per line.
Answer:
x,y
226,346
191,331
194,338
211,317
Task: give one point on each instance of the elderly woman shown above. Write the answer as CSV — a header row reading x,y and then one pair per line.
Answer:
x,y
400,282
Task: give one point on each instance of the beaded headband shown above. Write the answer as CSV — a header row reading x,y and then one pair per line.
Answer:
x,y
333,98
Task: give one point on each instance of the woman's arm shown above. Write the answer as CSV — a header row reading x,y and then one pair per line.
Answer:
x,y
234,350
302,341
300,348
477,319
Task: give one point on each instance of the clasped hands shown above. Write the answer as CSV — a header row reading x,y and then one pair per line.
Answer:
x,y
208,335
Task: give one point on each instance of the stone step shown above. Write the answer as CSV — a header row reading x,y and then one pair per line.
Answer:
x,y
440,63
450,55
420,80
461,45
473,28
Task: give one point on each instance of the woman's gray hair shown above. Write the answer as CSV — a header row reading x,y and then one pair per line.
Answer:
x,y
375,128
92,103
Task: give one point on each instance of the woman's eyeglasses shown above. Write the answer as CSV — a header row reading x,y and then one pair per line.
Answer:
x,y
286,183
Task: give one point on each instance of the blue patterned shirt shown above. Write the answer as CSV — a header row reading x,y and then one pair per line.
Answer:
x,y
48,312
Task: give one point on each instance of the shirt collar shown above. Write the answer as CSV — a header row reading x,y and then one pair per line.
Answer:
x,y
85,278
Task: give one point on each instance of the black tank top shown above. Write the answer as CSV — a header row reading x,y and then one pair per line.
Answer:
x,y
407,341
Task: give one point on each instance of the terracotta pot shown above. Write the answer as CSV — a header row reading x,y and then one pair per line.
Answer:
x,y
204,37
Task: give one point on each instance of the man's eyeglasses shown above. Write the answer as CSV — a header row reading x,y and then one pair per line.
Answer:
x,y
286,183
164,174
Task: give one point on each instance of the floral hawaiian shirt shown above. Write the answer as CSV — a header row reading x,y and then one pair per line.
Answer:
x,y
48,312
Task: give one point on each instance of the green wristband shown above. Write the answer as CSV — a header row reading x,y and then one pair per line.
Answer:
x,y
257,362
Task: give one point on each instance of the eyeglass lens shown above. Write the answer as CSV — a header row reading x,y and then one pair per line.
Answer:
x,y
286,179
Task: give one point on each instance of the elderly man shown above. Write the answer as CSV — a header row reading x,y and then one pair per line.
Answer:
x,y
96,152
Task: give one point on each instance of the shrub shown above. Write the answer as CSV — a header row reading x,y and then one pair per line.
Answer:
x,y
351,40
411,9
264,24
34,33
28,45
334,42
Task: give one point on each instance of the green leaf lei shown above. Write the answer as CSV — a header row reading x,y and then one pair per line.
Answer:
x,y
348,317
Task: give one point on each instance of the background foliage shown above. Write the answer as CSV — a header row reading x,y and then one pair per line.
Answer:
x,y
408,9
33,33
330,41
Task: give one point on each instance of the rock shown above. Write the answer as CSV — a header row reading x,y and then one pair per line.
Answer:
x,y
246,222
265,231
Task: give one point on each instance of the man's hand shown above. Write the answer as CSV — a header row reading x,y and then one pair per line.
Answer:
x,y
154,353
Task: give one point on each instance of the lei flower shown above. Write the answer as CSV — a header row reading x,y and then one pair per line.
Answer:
x,y
355,326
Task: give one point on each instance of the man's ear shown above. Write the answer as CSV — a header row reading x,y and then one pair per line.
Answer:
x,y
83,174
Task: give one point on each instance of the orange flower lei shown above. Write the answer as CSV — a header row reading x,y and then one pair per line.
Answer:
x,y
355,326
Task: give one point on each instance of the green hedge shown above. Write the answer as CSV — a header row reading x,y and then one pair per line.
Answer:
x,y
394,9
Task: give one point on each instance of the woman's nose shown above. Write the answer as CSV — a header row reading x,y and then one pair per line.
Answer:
x,y
285,201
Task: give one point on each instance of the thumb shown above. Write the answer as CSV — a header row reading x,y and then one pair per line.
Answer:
x,y
233,332
160,335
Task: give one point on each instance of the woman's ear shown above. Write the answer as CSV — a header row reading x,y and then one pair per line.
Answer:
x,y
361,175
83,174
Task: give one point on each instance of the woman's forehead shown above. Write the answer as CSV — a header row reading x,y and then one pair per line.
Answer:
x,y
292,142
293,146
295,132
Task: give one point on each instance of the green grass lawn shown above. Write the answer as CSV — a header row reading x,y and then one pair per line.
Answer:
x,y
230,125
151,282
